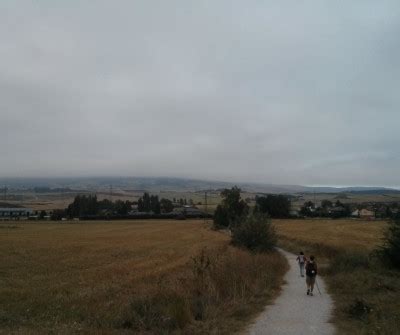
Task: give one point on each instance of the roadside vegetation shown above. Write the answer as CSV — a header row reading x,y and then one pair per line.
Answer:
x,y
255,233
218,293
361,274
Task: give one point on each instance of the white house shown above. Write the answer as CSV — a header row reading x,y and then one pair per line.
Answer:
x,y
8,212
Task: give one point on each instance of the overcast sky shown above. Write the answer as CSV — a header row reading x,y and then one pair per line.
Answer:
x,y
285,92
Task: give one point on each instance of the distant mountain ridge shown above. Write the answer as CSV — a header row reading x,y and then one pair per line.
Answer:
x,y
175,184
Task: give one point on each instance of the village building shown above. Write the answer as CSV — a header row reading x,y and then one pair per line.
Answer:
x,y
189,211
10,212
366,214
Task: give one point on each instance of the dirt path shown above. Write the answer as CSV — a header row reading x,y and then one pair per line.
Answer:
x,y
294,312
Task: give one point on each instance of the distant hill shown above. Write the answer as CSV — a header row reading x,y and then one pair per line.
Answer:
x,y
173,184
376,191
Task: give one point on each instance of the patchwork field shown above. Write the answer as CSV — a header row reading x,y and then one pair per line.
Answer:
x,y
140,276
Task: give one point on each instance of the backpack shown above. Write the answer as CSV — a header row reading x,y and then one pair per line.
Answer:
x,y
311,270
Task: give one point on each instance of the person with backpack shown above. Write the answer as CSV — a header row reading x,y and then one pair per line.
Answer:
x,y
311,274
301,259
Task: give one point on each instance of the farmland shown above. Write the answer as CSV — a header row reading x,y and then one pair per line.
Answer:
x,y
346,234
100,276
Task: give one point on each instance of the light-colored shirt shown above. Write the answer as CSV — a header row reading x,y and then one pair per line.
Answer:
x,y
301,258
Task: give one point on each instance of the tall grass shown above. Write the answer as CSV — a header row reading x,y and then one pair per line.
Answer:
x,y
218,292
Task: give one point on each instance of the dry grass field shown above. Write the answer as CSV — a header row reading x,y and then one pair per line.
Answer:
x,y
366,293
129,276
346,234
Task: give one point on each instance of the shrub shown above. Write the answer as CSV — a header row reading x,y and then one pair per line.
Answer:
x,y
359,309
163,310
255,233
390,251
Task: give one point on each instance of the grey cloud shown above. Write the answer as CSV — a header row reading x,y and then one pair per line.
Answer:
x,y
285,92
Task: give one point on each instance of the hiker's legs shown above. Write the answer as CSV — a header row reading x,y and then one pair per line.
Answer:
x,y
308,283
312,283
301,269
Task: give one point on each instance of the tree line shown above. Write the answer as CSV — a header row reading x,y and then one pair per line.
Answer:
x,y
151,203
233,207
89,205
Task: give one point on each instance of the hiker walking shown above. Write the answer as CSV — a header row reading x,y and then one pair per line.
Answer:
x,y
311,273
301,259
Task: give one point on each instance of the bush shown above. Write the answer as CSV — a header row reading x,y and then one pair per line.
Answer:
x,y
390,251
359,309
255,233
163,310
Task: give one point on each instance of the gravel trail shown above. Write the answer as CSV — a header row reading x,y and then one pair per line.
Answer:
x,y
293,311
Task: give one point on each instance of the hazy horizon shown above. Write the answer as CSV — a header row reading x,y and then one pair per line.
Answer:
x,y
287,93
239,182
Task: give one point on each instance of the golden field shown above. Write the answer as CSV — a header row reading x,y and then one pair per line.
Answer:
x,y
347,234
150,276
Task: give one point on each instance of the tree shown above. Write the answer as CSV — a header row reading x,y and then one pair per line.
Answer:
x,y
140,205
326,204
255,233
42,214
146,202
338,204
105,205
83,205
155,204
231,209
390,251
307,208
58,214
276,206
122,207
166,205
221,218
